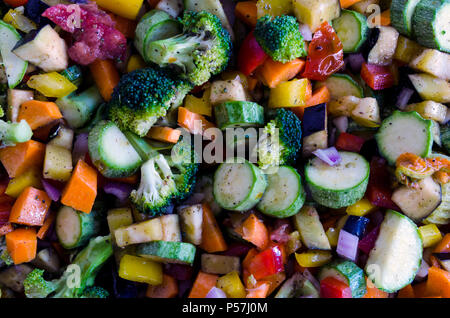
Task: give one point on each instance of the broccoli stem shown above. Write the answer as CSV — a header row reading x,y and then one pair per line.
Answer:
x,y
12,133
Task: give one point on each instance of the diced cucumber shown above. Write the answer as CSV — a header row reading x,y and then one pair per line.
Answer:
x,y
219,264
404,132
401,15
238,114
75,228
352,29
341,185
297,286
395,259
430,24
238,185
191,223
15,67
311,230
284,195
341,85
111,152
347,272
167,252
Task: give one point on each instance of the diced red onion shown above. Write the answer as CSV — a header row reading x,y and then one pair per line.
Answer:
x,y
368,242
180,272
236,249
53,192
306,32
330,156
216,293
80,147
355,62
341,123
423,270
404,97
347,245
118,189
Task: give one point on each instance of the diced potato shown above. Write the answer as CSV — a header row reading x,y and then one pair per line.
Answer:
x,y
201,105
367,113
232,285
219,264
407,49
315,12
431,88
63,139
273,7
430,110
225,91
57,163
171,228
433,62
146,231
139,269
293,93
191,223
343,106
30,178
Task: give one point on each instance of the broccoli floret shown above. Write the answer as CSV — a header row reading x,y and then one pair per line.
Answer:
x,y
144,95
95,292
280,37
202,50
281,140
76,278
13,133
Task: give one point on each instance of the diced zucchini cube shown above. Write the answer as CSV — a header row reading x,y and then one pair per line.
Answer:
x,y
146,231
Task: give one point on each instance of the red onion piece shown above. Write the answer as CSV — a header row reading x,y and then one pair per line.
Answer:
x,y
330,156
347,245
53,192
236,249
119,189
355,61
216,293
80,147
341,123
404,97
306,32
368,242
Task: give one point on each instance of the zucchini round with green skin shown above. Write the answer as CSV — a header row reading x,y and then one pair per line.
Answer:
x,y
284,195
341,185
352,29
238,186
401,15
341,85
167,252
430,24
397,254
297,286
238,114
347,272
75,228
15,67
404,132
111,152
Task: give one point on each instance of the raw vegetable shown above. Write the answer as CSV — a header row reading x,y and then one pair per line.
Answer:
x,y
30,208
21,157
311,230
22,245
167,252
202,285
212,238
254,231
51,84
273,73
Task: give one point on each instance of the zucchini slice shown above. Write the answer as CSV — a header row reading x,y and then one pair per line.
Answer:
x,y
395,259
111,152
15,67
352,29
341,185
404,132
347,272
401,15
311,230
234,114
341,85
284,195
238,186
167,252
297,286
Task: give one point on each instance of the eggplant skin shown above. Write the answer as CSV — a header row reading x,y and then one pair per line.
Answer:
x,y
314,119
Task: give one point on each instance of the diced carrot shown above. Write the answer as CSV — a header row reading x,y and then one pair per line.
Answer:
x,y
123,25
438,282
105,76
212,238
22,244
273,73
193,122
46,226
274,281
420,290
248,258
21,157
444,245
246,11
319,96
81,190
385,18
202,285
168,288
261,290
254,231
348,3
164,134
6,228
406,292
30,208
38,114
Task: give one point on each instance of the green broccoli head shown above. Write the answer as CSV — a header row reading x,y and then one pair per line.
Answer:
x,y
157,186
280,142
13,133
144,95
95,292
280,37
202,50
36,286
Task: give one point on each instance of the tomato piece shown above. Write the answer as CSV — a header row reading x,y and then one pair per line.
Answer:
x,y
266,263
331,287
377,77
251,55
349,142
325,54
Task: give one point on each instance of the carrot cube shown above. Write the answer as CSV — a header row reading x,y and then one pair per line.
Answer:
x,y
21,245
21,157
38,113
30,208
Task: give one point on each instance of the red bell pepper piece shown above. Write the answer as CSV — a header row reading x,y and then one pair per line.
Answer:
x,y
266,263
251,55
325,54
349,142
378,191
331,287
377,77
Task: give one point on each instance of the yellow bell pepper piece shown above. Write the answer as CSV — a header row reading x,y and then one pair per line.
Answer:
x,y
51,84
360,208
232,285
274,7
333,236
135,63
30,178
313,258
430,235
125,8
139,269
201,105
293,93
16,18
